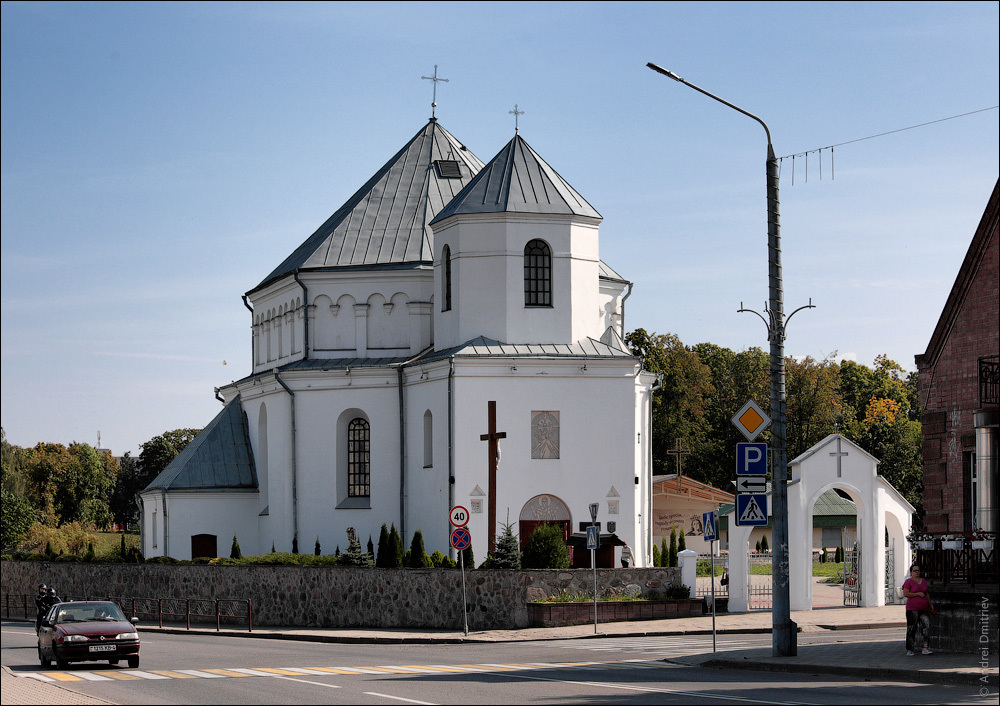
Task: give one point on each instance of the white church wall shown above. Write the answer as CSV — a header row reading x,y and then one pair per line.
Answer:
x,y
597,439
487,269
169,523
427,470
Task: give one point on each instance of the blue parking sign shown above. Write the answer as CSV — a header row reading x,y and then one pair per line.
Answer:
x,y
751,459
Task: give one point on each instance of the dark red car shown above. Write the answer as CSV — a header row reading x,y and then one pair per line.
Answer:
x,y
87,631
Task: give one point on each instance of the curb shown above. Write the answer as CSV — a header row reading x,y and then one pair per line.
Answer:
x,y
866,673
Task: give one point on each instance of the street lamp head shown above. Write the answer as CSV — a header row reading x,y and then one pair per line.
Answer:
x,y
661,70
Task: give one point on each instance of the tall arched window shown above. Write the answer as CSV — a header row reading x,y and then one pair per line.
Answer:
x,y
358,459
446,279
537,274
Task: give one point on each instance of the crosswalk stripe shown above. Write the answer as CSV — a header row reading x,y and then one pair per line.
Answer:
x,y
61,676
434,669
200,673
166,673
411,669
40,677
250,672
303,670
120,676
91,676
275,670
226,672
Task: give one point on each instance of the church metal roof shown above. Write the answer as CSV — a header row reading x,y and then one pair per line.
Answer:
x,y
386,221
219,458
518,180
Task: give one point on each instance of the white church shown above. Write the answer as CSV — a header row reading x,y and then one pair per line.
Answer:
x,y
379,344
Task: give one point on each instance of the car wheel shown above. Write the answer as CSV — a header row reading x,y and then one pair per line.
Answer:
x,y
61,664
112,661
133,662
45,661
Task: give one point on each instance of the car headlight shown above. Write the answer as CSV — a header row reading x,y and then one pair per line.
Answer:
x,y
127,636
75,638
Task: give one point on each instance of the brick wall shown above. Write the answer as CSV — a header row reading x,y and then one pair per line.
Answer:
x,y
949,377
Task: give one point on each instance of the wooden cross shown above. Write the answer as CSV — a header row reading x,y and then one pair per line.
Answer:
x,y
493,437
839,453
679,451
435,79
515,113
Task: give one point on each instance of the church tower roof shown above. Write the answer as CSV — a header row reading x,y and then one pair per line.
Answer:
x,y
386,221
518,180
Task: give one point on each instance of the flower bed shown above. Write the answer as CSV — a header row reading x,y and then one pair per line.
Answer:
x,y
547,615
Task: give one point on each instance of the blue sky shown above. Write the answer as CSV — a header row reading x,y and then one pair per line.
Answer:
x,y
159,159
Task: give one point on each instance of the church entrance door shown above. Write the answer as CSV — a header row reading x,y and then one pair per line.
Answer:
x,y
540,510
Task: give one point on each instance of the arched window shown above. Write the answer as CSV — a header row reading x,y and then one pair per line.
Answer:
x,y
537,274
358,459
446,279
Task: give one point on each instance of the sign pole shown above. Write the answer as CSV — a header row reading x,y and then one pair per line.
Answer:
x,y
593,554
465,602
711,549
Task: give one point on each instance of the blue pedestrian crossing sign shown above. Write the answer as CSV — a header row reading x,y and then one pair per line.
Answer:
x,y
593,537
751,510
709,523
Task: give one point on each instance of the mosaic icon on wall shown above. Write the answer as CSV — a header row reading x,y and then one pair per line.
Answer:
x,y
545,434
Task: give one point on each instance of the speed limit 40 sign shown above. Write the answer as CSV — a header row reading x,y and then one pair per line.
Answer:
x,y
459,516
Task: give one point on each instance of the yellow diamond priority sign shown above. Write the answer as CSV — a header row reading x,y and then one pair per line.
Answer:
x,y
751,420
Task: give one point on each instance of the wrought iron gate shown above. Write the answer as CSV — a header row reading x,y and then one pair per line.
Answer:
x,y
890,573
759,581
852,571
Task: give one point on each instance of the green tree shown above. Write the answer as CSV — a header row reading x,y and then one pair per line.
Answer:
x,y
418,558
123,505
158,452
546,549
673,547
16,517
316,549
394,550
679,403
234,550
656,555
508,554
383,548
355,556
664,552
814,402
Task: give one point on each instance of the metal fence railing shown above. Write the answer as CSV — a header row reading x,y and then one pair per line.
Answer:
x,y
228,611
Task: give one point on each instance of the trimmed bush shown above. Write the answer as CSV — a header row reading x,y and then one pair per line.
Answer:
x,y
546,549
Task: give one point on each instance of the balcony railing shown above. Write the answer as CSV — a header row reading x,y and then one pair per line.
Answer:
x,y
944,559
989,381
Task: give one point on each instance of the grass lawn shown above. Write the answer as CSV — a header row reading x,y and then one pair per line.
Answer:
x,y
106,541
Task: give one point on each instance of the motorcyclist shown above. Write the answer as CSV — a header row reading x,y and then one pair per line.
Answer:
x,y
40,599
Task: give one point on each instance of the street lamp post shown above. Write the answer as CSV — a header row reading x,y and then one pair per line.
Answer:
x,y
783,635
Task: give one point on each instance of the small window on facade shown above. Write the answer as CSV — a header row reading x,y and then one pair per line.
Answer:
x,y
448,168
537,274
446,279
358,459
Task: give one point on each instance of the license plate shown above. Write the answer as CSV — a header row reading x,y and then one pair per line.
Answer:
x,y
103,648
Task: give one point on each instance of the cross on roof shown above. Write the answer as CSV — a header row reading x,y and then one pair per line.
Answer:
x,y
435,80
515,113
679,451
840,455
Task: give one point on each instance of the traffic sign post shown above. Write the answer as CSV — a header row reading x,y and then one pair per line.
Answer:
x,y
751,510
459,516
592,537
751,484
709,523
461,539
751,459
751,420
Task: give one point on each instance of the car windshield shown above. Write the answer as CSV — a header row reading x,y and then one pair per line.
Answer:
x,y
83,612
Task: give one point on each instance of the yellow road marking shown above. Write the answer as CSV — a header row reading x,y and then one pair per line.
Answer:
x,y
62,676
434,669
272,670
332,670
487,668
225,672
122,676
172,675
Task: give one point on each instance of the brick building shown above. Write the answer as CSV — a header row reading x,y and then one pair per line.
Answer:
x,y
960,392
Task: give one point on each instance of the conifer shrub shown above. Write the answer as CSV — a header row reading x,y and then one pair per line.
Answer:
x,y
383,548
546,549
234,551
656,556
507,555
672,557
316,549
417,556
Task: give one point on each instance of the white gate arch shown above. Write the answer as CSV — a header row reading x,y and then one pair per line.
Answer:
x,y
835,462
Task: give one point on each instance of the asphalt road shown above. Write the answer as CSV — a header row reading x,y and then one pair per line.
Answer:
x,y
188,669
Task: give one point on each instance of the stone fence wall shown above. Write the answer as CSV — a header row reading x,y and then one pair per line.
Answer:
x,y
305,596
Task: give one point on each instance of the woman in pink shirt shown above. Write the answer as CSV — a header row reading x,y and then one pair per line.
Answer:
x,y
918,613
